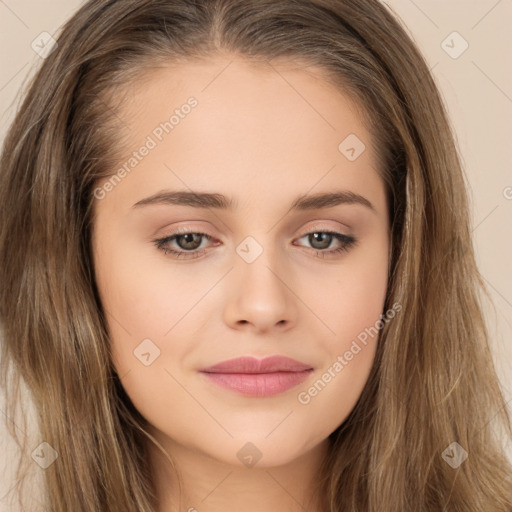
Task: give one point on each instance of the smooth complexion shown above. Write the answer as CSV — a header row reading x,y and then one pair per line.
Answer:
x,y
262,137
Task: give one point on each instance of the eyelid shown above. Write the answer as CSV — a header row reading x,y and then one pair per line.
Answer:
x,y
192,227
342,229
318,226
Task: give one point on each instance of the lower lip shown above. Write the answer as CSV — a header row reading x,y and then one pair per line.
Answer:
x,y
259,384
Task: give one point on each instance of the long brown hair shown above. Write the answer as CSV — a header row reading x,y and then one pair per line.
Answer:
x,y
433,382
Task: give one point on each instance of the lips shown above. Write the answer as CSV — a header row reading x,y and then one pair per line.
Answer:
x,y
258,377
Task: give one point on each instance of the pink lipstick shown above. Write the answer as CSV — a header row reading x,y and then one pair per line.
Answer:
x,y
258,377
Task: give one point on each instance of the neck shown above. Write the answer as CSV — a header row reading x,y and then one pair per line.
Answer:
x,y
208,484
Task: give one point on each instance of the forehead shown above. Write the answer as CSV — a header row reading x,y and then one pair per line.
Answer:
x,y
253,127
235,87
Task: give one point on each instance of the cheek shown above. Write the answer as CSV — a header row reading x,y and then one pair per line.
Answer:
x,y
351,306
144,299
350,299
148,312
154,309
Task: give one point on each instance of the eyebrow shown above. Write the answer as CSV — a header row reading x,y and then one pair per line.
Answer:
x,y
219,201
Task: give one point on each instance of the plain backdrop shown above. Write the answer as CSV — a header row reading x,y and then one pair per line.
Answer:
x,y
468,46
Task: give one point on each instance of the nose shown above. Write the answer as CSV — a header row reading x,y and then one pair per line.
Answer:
x,y
260,297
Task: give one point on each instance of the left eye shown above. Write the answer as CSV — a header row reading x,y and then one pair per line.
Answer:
x,y
322,239
189,243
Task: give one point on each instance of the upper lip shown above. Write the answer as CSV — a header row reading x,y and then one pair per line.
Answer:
x,y
253,365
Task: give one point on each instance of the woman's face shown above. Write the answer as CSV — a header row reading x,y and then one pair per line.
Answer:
x,y
286,255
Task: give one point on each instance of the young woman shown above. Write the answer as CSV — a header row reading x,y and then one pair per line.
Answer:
x,y
236,268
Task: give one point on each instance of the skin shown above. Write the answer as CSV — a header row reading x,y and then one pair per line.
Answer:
x,y
263,136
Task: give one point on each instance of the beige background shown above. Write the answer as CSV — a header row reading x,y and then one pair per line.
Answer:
x,y
477,87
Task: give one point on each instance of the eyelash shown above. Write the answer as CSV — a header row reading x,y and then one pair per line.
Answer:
x,y
161,243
